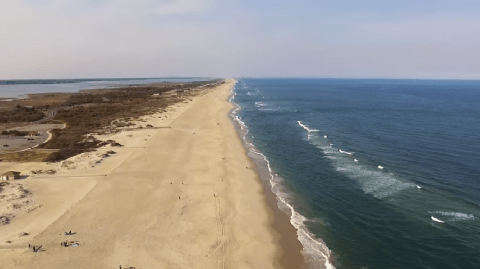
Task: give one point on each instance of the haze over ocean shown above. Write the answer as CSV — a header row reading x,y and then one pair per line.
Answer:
x,y
385,173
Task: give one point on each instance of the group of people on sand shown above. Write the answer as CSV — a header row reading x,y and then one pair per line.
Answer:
x,y
35,249
71,243
63,244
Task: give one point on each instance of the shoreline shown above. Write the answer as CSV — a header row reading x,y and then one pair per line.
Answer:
x,y
290,255
177,196
314,253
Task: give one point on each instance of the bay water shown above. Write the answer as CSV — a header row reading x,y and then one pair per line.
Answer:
x,y
21,88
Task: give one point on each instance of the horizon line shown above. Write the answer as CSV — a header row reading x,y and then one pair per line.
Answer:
x,y
250,77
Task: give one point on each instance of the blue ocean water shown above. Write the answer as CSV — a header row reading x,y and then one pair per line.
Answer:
x,y
374,173
20,88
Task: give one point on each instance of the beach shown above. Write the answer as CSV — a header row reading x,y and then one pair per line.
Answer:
x,y
183,195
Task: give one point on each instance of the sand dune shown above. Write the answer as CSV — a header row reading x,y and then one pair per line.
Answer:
x,y
178,197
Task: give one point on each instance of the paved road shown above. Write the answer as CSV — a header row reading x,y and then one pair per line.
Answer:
x,y
50,114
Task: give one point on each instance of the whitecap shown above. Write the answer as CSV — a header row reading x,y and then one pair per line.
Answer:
x,y
306,127
454,216
345,152
314,250
377,183
260,104
437,220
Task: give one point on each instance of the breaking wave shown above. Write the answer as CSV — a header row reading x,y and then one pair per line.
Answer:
x,y
315,251
373,180
452,216
310,130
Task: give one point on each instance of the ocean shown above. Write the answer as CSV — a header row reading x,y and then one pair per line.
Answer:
x,y
373,173
20,88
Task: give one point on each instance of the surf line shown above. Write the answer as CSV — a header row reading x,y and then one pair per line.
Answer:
x,y
307,128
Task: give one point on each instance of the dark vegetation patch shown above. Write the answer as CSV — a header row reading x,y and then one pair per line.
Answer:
x,y
52,122
2,184
48,172
64,154
86,113
26,156
19,133
20,114
38,100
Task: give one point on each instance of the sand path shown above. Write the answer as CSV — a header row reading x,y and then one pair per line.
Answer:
x,y
189,199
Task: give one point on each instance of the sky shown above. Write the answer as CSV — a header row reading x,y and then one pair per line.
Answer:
x,y
427,39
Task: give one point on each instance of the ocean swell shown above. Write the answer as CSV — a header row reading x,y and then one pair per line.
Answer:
x,y
373,180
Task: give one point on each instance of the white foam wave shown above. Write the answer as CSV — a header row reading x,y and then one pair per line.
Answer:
x,y
380,167
310,130
345,152
454,216
376,182
437,220
315,251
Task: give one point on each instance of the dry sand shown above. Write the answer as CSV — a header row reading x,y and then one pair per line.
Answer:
x,y
178,197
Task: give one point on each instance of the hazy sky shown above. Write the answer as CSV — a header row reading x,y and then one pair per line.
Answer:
x,y
146,38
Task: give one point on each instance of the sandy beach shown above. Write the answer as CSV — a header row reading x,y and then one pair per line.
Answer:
x,y
182,196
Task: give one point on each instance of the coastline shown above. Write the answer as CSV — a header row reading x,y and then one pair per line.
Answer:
x,y
290,253
297,238
179,196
